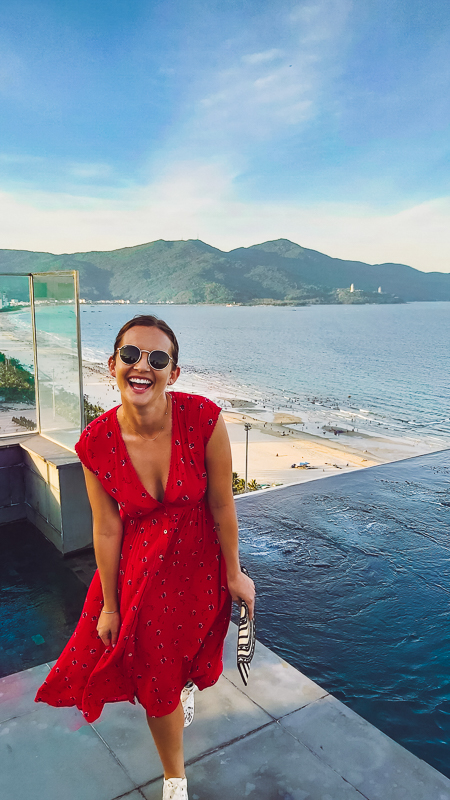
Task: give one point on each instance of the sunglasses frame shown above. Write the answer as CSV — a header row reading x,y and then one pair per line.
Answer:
x,y
160,369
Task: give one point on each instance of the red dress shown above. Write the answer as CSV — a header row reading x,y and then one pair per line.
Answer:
x,y
174,602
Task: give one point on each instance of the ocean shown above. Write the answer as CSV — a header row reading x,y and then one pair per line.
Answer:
x,y
381,370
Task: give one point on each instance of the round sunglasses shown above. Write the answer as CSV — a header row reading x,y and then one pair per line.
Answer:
x,y
157,359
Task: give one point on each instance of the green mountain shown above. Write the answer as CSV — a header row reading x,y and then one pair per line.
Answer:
x,y
278,272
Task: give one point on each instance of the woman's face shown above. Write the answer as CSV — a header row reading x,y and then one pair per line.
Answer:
x,y
152,383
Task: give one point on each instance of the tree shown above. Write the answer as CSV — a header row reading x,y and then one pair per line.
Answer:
x,y
91,411
16,382
238,484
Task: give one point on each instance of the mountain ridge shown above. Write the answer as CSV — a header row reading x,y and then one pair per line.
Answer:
x,y
192,271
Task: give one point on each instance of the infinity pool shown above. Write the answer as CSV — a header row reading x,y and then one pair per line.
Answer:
x,y
40,598
353,578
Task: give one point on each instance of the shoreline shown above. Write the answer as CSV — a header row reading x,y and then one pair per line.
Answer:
x,y
284,430
274,445
276,442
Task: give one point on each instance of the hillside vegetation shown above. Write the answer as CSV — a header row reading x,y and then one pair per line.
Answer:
x,y
278,272
16,382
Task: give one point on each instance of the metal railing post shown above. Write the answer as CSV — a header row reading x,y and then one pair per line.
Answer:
x,y
35,359
247,427
80,357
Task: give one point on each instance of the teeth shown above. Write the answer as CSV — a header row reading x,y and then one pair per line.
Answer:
x,y
140,380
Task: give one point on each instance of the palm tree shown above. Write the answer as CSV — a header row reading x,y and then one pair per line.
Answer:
x,y
238,484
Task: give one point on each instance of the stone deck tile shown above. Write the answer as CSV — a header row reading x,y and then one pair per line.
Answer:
x,y
274,684
17,691
363,755
281,738
266,765
52,753
223,713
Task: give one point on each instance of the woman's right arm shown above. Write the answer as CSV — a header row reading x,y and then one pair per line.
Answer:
x,y
108,534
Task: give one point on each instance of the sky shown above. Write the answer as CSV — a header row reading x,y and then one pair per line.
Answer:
x,y
326,122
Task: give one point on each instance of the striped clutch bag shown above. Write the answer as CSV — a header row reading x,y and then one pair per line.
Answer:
x,y
246,640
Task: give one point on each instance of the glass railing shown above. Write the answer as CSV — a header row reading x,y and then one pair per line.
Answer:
x,y
17,374
43,338
58,362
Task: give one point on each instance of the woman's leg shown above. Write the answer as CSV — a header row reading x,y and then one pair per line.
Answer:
x,y
167,733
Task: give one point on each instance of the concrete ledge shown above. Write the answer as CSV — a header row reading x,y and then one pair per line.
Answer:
x,y
281,738
48,450
44,483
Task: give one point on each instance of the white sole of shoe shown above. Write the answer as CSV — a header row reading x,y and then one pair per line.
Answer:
x,y
187,701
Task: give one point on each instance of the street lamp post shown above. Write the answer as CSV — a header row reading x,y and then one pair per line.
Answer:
x,y
247,427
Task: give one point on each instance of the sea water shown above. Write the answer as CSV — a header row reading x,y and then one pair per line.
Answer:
x,y
383,370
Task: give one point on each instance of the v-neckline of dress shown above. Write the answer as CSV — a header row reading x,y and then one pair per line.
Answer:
x,y
121,439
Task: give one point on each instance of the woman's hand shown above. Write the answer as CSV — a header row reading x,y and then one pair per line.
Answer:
x,y
108,628
241,587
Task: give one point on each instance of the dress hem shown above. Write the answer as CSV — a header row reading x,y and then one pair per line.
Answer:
x,y
90,716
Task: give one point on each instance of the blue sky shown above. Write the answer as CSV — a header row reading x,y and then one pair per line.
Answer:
x,y
323,121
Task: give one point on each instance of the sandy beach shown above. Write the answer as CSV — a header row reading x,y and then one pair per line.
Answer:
x,y
273,445
272,451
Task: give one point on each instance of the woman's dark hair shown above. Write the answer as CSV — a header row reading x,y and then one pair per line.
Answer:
x,y
149,321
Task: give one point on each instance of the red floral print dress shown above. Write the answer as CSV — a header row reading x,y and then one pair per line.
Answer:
x,y
174,602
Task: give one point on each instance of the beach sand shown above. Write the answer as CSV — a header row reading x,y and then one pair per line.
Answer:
x,y
272,451
273,446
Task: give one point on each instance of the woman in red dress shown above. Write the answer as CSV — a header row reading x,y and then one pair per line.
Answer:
x,y
158,476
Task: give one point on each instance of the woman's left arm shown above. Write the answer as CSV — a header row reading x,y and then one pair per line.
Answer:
x,y
221,503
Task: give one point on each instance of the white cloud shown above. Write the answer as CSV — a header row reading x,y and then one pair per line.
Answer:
x,y
321,20
261,58
199,200
88,171
256,102
14,159
260,94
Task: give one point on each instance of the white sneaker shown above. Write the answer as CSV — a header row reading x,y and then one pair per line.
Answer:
x,y
175,789
187,701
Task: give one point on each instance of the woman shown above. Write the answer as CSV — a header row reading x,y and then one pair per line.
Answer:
x,y
158,476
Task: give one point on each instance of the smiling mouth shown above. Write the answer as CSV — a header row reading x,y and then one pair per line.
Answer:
x,y
140,384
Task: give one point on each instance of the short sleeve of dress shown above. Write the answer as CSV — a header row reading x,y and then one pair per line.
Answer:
x,y
82,450
207,419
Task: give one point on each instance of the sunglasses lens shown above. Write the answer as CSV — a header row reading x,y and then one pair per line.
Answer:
x,y
159,359
129,354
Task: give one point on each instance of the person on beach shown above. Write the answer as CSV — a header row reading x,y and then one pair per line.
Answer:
x,y
158,475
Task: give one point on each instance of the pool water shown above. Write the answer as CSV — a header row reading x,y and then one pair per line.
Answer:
x,y
353,579
40,598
